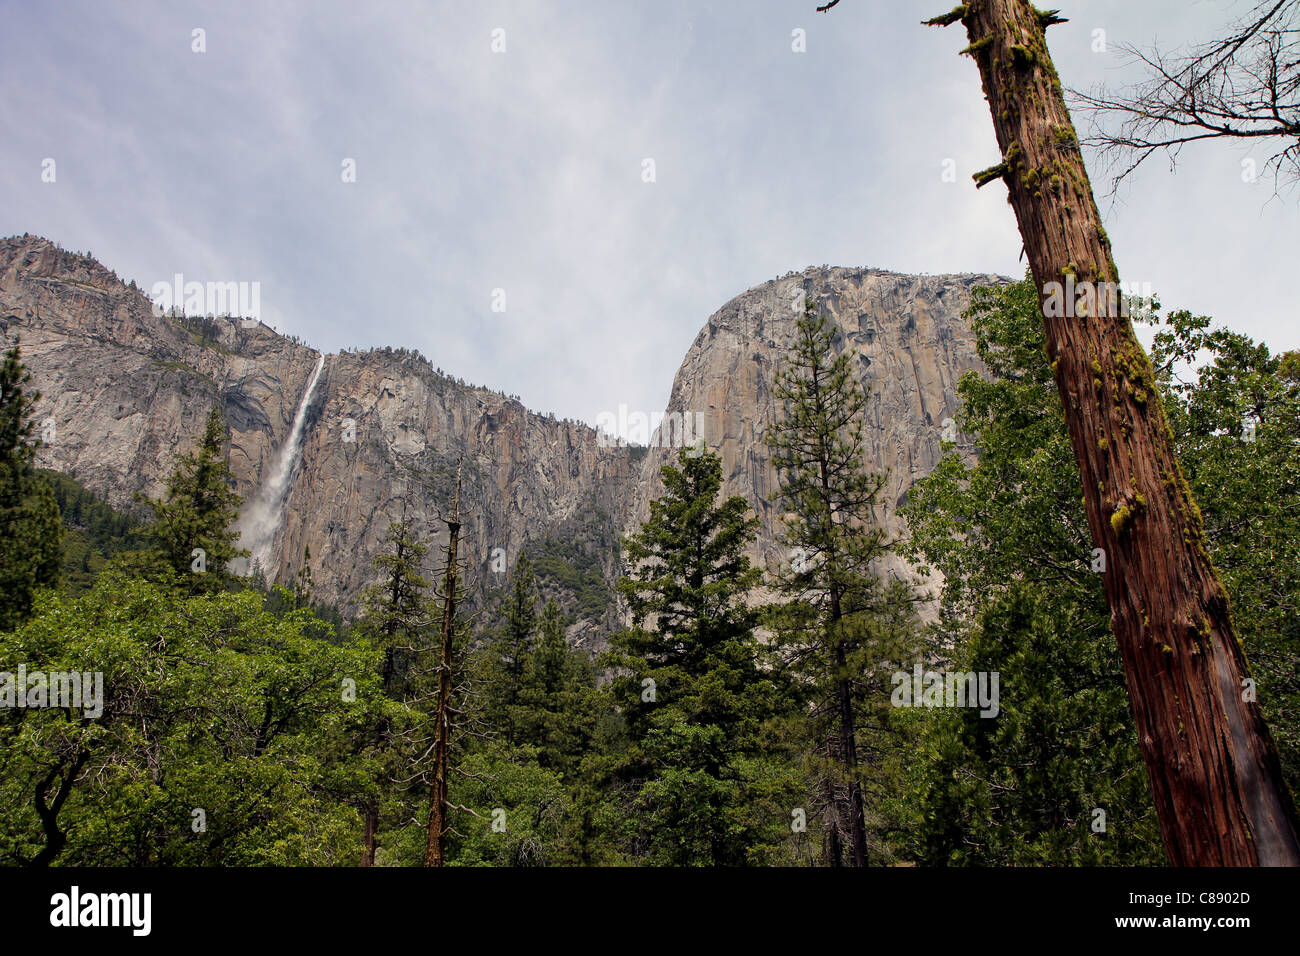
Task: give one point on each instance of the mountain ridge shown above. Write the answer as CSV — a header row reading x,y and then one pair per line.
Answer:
x,y
125,390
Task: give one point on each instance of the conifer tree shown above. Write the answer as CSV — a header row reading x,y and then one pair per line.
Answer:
x,y
844,627
31,534
396,618
1215,772
303,587
558,701
193,525
691,686
396,606
510,649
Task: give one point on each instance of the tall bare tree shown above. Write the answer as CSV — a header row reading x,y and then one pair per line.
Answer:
x,y
435,851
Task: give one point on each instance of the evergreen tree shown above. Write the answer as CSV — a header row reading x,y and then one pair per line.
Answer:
x,y
691,686
558,699
256,576
44,529
92,532
1023,593
539,693
509,650
31,533
395,622
1025,788
192,526
397,607
1236,425
844,628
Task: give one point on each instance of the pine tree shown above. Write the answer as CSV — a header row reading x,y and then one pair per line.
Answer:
x,y
510,648
690,682
256,576
31,533
557,698
44,528
192,526
844,627
396,618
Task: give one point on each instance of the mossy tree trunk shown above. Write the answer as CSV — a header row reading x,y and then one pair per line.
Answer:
x,y
1215,774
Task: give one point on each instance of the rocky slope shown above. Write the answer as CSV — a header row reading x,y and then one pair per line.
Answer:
x,y
910,345
123,391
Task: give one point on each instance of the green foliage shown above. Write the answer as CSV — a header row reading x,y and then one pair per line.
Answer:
x,y
721,722
93,532
537,720
209,703
397,625
690,682
537,691
1010,536
517,813
205,330
198,514
511,648
31,535
573,568
1023,788
843,629
1236,426
558,699
1018,512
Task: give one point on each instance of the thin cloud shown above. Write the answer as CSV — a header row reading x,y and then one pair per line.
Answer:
x,y
523,170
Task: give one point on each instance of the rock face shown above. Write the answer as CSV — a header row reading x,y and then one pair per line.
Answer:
x,y
124,391
910,346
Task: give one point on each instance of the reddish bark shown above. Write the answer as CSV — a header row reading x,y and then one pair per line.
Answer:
x,y
1214,771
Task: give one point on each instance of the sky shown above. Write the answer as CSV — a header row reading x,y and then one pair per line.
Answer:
x,y
550,197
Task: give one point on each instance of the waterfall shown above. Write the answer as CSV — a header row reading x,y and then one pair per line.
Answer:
x,y
260,521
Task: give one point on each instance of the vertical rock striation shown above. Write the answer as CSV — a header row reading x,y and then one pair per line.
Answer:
x,y
910,345
363,438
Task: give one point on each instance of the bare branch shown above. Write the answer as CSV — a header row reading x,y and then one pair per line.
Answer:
x,y
1243,87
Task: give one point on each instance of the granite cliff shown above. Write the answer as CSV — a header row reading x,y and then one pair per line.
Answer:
x,y
910,346
384,432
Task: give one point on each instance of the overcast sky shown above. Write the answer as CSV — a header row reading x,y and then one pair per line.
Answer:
x,y
524,170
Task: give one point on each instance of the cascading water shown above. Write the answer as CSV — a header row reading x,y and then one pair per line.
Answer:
x,y
261,520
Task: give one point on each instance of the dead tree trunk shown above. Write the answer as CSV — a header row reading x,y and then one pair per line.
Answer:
x,y
435,849
833,847
371,832
1214,771
849,756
